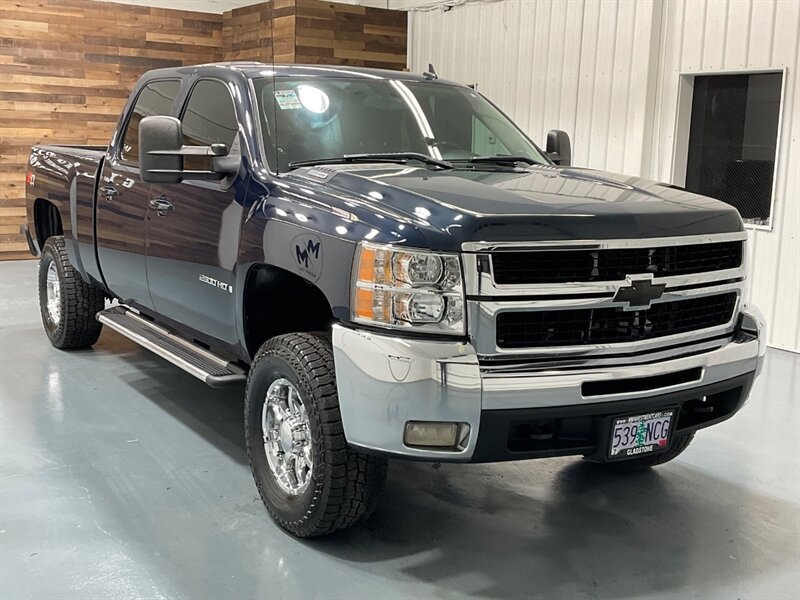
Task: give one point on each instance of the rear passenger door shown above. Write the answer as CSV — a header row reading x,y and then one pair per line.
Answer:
x,y
192,248
122,199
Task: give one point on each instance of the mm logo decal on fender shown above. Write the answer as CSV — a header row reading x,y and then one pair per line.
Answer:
x,y
307,254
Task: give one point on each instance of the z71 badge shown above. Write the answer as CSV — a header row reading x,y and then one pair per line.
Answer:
x,y
307,254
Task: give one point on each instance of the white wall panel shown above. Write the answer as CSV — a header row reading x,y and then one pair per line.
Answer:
x,y
608,73
553,64
715,36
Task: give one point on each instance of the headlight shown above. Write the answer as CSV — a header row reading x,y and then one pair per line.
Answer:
x,y
408,289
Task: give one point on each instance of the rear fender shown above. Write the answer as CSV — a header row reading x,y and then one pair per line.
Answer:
x,y
68,184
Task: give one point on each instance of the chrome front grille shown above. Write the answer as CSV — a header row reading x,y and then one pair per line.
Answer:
x,y
611,264
611,325
561,299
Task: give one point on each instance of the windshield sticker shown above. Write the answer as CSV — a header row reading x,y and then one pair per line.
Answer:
x,y
287,99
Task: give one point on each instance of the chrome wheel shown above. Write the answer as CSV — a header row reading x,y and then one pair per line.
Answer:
x,y
287,437
53,294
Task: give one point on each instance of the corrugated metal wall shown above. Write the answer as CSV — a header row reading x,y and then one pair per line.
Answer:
x,y
607,72
745,34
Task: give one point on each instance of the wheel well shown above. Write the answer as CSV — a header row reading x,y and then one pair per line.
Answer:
x,y
277,301
47,220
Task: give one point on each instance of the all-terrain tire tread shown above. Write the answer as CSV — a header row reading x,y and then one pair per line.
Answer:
x,y
81,301
355,479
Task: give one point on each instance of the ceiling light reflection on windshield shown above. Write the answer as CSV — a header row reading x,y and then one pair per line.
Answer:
x,y
419,115
313,98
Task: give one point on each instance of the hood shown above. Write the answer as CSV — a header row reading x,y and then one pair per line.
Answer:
x,y
533,204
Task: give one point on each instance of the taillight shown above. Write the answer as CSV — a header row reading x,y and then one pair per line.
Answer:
x,y
30,177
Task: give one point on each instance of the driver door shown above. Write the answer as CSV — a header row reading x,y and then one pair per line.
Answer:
x,y
193,227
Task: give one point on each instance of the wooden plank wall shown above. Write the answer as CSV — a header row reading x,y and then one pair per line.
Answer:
x,y
67,66
66,69
346,34
243,33
314,32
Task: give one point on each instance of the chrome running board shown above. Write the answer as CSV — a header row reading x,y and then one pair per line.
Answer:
x,y
190,357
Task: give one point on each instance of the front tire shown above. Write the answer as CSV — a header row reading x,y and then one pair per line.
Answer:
x,y
67,303
311,481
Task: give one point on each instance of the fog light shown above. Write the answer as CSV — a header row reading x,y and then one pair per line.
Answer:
x,y
435,434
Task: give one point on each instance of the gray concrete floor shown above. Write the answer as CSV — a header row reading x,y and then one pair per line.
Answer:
x,y
121,476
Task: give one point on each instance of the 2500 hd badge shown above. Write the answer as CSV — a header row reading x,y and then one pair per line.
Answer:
x,y
216,283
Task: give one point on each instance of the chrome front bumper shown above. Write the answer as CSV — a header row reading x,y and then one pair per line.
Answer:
x,y
385,381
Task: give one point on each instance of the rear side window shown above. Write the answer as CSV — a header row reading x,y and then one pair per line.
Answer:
x,y
156,98
209,118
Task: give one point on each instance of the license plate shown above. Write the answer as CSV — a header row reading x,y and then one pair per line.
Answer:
x,y
640,434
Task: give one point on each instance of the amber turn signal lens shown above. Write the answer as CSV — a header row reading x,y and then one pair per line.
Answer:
x,y
364,303
366,264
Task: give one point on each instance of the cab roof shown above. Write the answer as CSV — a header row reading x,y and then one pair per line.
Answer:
x,y
252,69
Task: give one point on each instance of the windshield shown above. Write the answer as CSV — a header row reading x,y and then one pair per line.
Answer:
x,y
306,119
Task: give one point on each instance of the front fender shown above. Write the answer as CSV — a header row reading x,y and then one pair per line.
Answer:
x,y
308,230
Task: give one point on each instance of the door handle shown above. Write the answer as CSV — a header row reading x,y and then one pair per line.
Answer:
x,y
162,206
109,191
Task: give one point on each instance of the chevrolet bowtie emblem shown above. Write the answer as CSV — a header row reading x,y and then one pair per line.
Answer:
x,y
640,292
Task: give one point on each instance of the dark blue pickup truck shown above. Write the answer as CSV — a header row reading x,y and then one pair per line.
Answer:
x,y
396,270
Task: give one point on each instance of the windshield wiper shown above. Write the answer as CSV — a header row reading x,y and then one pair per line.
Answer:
x,y
499,159
390,157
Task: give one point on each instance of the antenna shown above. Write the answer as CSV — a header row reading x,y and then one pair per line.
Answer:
x,y
430,73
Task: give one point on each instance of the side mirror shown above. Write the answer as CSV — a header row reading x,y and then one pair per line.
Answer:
x,y
160,134
558,147
161,153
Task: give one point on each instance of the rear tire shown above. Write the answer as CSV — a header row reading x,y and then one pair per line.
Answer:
x,y
311,481
679,443
67,303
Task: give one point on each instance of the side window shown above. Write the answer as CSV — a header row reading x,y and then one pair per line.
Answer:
x,y
209,118
156,98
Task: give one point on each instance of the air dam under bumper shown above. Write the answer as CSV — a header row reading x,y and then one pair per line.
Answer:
x,y
385,381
